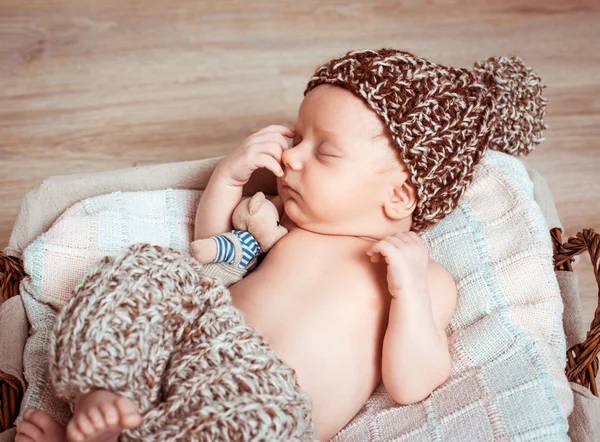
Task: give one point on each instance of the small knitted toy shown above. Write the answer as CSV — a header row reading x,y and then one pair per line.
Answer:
x,y
232,255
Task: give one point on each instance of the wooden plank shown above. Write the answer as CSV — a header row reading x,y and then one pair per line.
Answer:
x,y
96,85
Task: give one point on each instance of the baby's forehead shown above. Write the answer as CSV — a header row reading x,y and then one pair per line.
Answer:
x,y
338,112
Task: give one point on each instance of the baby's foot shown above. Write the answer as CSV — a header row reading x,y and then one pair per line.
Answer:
x,y
100,416
39,426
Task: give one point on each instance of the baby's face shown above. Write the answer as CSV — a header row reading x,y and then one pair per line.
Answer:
x,y
339,168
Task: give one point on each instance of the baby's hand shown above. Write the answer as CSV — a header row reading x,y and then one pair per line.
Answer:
x,y
407,259
261,149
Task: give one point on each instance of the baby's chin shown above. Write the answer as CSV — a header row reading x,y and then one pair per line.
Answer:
x,y
304,222
294,211
291,209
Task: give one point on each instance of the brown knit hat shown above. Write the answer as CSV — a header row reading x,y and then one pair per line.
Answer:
x,y
443,119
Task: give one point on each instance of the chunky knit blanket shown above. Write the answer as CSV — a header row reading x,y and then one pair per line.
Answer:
x,y
148,325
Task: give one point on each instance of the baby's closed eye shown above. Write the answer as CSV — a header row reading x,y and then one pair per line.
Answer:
x,y
328,151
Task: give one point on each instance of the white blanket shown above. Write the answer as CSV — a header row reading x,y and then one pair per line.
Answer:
x,y
506,338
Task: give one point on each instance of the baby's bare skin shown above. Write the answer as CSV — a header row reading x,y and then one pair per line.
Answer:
x,y
99,416
318,298
322,305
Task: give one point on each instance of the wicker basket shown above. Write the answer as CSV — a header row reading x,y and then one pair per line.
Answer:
x,y
11,390
582,358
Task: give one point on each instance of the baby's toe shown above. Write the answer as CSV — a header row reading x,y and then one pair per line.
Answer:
x,y
79,428
130,416
110,413
30,430
73,434
96,418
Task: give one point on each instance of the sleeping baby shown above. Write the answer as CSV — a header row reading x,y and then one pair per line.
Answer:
x,y
383,147
321,297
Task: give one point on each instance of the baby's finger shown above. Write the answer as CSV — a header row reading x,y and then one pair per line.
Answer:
x,y
271,137
284,130
266,147
414,238
376,247
267,161
375,258
405,244
397,241
402,236
386,249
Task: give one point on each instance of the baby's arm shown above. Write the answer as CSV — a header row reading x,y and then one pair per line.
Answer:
x,y
416,359
216,206
415,355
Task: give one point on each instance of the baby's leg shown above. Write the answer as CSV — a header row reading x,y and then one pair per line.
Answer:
x,y
113,340
224,382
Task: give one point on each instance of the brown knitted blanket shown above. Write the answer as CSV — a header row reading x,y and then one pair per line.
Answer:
x,y
150,326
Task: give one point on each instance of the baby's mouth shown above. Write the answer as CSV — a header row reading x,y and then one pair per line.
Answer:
x,y
284,183
289,190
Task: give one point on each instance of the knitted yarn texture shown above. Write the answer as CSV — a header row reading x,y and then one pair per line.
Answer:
x,y
150,326
442,119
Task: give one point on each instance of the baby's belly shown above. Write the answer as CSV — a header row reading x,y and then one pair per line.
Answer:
x,y
300,302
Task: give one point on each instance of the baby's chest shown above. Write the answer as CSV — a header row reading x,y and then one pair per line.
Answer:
x,y
303,263
311,281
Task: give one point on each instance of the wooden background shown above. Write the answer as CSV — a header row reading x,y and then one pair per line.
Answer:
x,y
90,85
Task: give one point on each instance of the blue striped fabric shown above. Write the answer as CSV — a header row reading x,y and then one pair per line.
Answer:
x,y
225,250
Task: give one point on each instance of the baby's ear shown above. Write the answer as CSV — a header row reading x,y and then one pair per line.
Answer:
x,y
401,201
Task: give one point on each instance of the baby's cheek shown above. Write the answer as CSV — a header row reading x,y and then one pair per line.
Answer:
x,y
330,206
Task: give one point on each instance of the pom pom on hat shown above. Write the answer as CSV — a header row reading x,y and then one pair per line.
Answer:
x,y
442,119
519,104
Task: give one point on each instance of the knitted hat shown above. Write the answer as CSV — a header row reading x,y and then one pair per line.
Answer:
x,y
442,119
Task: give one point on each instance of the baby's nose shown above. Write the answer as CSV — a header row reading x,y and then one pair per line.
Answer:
x,y
292,158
